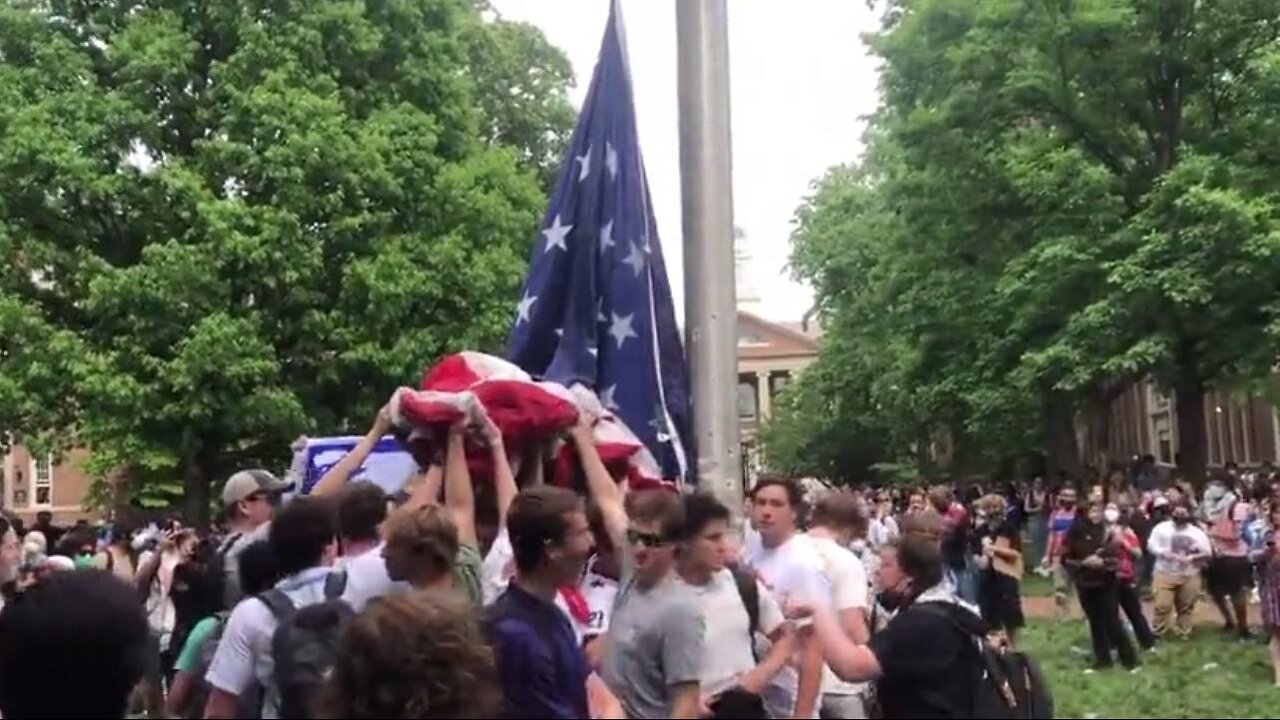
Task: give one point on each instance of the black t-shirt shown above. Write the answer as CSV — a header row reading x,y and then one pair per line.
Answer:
x,y
925,663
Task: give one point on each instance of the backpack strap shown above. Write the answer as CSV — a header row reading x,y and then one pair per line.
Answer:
x,y
278,603
335,584
749,591
987,662
227,543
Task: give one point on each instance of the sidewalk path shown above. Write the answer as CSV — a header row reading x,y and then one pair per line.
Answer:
x,y
1041,608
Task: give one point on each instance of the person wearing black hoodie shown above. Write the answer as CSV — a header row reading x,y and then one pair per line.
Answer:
x,y
1093,562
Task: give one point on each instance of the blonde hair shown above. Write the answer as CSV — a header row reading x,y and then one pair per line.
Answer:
x,y
426,530
993,505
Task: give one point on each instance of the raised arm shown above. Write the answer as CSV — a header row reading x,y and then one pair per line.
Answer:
x,y
459,495
504,478
341,473
607,494
427,491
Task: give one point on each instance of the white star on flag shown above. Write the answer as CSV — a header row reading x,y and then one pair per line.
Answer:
x,y
556,235
606,397
585,162
559,332
611,159
635,259
659,426
606,236
525,306
620,328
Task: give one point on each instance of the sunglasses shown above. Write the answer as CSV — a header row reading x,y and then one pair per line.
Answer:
x,y
644,539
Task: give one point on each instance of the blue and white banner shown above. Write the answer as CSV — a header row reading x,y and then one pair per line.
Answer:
x,y
388,466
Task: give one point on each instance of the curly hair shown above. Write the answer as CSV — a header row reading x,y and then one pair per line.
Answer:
x,y
413,655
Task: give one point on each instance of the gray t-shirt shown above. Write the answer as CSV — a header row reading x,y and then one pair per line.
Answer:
x,y
232,546
655,641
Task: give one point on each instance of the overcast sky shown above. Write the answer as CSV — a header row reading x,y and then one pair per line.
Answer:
x,y
801,84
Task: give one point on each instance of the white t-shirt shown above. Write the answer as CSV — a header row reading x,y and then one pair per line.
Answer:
x,y
792,568
848,579
1169,539
367,578
729,646
599,591
244,654
881,532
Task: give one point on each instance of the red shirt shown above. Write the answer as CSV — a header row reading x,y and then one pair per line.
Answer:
x,y
1124,552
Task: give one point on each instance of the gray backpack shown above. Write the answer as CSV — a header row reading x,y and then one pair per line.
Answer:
x,y
305,645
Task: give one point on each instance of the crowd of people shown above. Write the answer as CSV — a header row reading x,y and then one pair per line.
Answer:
x,y
491,593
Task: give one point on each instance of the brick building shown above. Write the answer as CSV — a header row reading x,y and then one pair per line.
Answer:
x,y
31,483
1239,428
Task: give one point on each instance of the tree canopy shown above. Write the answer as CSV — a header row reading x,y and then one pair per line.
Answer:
x,y
226,223
1057,198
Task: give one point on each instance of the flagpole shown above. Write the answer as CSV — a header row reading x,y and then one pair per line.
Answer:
x,y
711,341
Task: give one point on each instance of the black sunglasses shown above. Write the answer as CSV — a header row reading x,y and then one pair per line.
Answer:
x,y
644,539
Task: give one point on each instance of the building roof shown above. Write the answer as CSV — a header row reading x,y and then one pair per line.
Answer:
x,y
760,338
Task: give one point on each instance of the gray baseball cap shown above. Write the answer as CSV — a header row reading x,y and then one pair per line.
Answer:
x,y
247,482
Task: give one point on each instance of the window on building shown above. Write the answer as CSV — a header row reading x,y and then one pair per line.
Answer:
x,y
747,409
42,479
778,383
747,336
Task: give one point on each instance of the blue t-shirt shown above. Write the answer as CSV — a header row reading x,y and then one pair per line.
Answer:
x,y
540,663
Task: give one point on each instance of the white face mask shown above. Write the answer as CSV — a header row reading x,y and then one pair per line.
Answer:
x,y
1112,516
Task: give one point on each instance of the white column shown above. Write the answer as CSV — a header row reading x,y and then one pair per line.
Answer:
x,y
764,400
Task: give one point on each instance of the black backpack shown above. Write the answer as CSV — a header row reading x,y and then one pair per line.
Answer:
x,y
305,644
1007,684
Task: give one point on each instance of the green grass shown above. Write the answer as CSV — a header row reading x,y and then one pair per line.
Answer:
x,y
1206,677
1034,585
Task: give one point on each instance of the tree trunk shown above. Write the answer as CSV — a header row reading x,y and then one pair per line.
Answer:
x,y
1062,450
195,485
1098,415
1192,446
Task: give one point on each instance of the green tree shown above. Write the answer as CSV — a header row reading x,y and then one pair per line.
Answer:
x,y
231,222
1078,197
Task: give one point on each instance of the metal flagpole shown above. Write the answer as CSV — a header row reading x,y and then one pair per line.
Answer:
x,y
707,198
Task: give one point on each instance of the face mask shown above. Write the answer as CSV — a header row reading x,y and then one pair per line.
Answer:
x,y
858,546
1112,516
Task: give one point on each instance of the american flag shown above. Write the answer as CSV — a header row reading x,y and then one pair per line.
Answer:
x,y
596,307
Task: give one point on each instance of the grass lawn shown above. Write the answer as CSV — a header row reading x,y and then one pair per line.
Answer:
x,y
1034,585
1205,677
